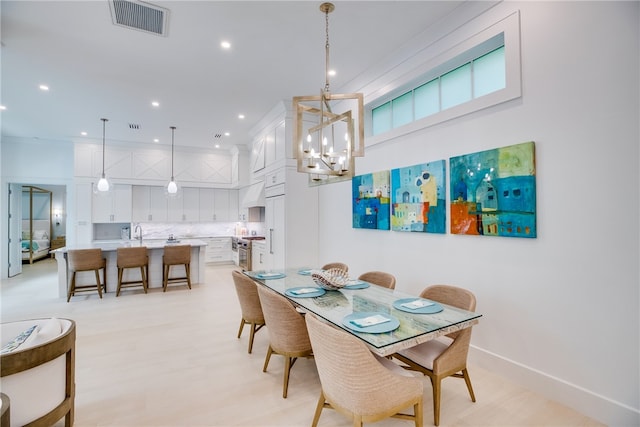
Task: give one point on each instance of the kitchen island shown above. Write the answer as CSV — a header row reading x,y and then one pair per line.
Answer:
x,y
109,251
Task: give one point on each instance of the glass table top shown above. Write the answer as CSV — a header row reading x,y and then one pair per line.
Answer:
x,y
334,306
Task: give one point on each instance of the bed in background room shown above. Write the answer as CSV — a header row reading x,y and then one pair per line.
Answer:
x,y
36,241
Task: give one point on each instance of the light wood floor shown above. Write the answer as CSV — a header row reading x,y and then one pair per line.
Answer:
x,y
173,359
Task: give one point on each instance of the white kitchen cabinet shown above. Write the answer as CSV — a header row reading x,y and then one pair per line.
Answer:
x,y
149,204
275,232
185,207
115,206
218,250
218,204
258,255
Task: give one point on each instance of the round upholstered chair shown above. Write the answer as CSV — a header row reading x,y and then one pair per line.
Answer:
x,y
37,366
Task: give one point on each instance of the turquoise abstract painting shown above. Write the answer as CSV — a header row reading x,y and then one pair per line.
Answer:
x,y
418,197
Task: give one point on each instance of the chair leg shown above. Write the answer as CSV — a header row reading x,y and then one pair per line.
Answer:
x,y
187,268
120,271
467,380
417,412
357,420
104,276
242,322
435,382
98,283
266,360
287,370
319,406
143,275
251,335
165,277
72,286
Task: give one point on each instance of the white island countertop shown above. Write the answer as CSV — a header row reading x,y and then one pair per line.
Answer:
x,y
112,245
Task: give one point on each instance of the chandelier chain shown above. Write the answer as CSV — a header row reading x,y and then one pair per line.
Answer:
x,y
104,121
326,47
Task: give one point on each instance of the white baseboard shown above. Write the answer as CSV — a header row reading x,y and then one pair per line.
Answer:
x,y
587,402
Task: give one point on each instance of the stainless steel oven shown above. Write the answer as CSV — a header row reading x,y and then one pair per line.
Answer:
x,y
244,254
234,250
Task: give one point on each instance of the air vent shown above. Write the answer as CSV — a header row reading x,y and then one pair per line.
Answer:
x,y
217,135
140,16
134,126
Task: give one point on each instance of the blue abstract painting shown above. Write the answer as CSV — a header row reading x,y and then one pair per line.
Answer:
x,y
493,192
371,203
418,197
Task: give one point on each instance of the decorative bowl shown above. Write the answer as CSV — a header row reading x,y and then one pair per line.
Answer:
x,y
331,279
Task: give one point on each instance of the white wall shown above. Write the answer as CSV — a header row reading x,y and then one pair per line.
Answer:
x,y
560,312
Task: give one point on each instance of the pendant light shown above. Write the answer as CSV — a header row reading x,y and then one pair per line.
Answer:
x,y
172,187
103,185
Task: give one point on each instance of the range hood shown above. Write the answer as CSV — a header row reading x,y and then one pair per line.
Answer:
x,y
254,197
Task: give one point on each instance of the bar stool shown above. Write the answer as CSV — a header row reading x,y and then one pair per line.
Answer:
x,y
86,260
128,257
176,255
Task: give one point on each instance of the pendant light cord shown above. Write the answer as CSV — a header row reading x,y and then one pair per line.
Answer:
x,y
173,129
104,121
326,47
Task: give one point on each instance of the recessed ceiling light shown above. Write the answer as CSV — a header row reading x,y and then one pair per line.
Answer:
x,y
44,87
2,107
156,140
225,44
155,103
83,133
241,116
227,134
217,145
332,73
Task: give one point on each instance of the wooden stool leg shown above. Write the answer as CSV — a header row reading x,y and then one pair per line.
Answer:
x,y
144,278
165,276
72,286
98,283
120,271
187,268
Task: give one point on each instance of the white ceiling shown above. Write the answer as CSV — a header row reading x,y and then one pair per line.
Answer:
x,y
96,69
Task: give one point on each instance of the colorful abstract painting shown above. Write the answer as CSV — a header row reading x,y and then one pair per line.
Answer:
x,y
418,195
371,203
493,193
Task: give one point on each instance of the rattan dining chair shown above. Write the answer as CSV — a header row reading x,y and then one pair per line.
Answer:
x,y
249,305
287,332
445,356
340,265
359,385
380,278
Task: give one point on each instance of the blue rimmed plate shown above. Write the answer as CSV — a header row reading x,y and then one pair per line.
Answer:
x,y
266,276
356,284
371,322
305,271
417,306
305,292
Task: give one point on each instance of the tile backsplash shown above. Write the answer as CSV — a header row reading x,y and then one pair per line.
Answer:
x,y
154,230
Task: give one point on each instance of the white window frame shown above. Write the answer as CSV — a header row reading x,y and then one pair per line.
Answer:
x,y
509,27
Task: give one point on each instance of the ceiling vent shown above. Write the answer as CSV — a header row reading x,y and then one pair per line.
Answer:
x,y
134,126
140,16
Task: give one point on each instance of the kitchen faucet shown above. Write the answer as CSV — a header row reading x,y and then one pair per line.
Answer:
x,y
135,232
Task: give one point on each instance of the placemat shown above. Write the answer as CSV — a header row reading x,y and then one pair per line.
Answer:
x,y
356,284
389,325
305,292
404,304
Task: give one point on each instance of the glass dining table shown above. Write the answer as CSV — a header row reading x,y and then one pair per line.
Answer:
x,y
386,320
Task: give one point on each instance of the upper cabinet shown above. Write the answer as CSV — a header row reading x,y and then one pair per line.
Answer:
x,y
115,206
185,207
217,204
149,204
258,154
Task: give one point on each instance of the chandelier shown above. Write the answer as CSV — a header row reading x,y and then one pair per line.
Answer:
x,y
328,141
